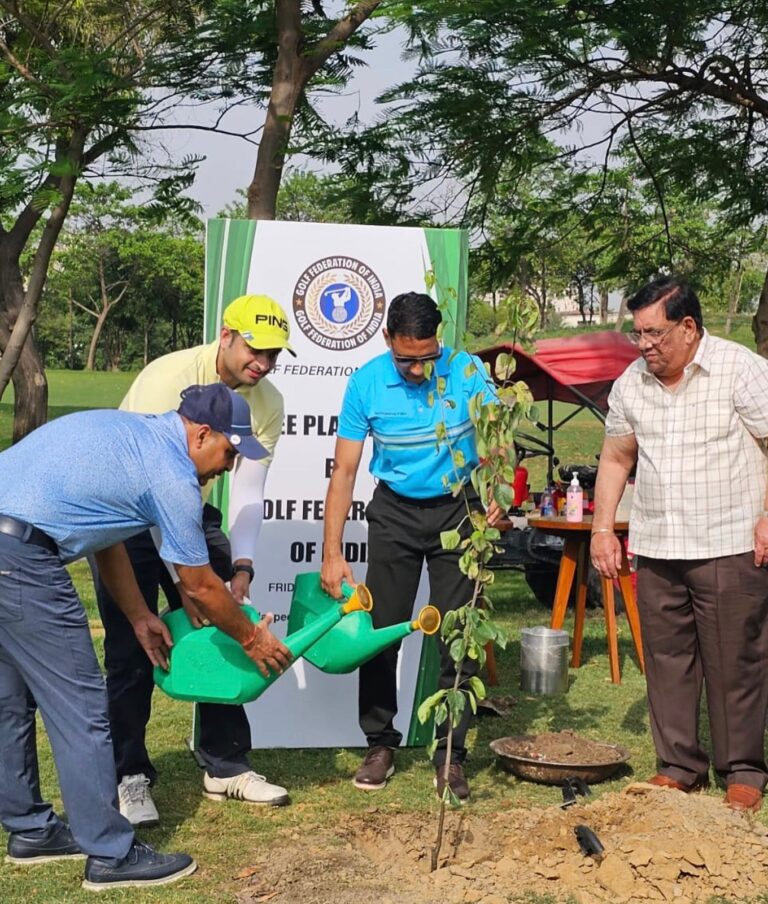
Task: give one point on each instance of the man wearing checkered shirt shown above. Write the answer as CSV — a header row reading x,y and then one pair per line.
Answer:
x,y
692,413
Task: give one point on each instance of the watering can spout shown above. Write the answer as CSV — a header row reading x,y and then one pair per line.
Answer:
x,y
428,621
357,598
354,641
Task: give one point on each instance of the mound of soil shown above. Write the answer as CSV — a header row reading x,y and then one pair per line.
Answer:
x,y
660,845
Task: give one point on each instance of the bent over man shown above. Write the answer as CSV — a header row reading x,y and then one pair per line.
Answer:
x,y
83,484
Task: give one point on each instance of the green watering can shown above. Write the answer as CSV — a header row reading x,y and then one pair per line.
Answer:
x,y
353,640
209,666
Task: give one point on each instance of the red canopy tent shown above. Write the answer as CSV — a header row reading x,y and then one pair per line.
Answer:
x,y
578,369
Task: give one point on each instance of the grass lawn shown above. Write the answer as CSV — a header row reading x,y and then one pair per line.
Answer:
x,y
68,391
223,837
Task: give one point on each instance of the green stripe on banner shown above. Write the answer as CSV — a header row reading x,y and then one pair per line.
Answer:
x,y
419,735
449,255
228,253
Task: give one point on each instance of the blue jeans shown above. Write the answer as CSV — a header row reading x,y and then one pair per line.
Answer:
x,y
47,658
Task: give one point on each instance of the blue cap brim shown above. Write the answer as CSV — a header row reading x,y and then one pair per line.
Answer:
x,y
249,447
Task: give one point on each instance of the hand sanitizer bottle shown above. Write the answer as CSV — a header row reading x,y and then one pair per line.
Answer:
x,y
574,500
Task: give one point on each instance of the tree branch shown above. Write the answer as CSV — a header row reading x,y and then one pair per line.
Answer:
x,y
338,36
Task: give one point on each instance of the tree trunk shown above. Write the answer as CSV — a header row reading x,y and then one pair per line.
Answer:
x,y
70,332
622,313
760,321
288,82
30,406
581,302
733,303
30,389
603,306
146,344
19,307
100,320
294,68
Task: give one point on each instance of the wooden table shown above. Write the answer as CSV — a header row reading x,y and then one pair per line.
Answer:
x,y
574,563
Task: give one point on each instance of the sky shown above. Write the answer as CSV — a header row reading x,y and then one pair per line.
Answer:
x,y
230,161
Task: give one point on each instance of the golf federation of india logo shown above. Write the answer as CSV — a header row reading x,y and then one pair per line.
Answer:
x,y
339,303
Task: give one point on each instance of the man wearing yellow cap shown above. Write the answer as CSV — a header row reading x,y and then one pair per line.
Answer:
x,y
254,333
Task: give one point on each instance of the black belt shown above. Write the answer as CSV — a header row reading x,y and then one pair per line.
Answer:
x,y
27,533
429,501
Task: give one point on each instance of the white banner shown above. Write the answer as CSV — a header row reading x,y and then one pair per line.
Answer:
x,y
335,283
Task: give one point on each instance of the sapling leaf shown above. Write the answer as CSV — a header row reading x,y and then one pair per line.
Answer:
x,y
450,539
425,710
478,688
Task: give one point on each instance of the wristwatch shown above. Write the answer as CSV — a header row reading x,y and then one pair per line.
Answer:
x,y
246,568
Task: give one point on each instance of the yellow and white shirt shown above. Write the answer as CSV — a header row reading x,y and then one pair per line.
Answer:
x,y
702,464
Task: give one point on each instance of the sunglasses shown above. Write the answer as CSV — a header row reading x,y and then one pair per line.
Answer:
x,y
405,361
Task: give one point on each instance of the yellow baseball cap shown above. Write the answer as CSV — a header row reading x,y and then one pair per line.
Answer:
x,y
260,321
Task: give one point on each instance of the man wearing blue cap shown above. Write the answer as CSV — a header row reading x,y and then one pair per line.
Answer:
x,y
255,331
83,484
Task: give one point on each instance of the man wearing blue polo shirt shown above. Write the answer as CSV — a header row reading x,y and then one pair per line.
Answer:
x,y
389,399
83,484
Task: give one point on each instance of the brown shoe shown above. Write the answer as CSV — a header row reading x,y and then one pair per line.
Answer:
x,y
376,768
744,798
664,781
456,782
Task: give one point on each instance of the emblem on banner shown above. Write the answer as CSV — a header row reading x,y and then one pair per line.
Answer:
x,y
339,303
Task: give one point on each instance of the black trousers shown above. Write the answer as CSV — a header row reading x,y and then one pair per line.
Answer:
x,y
225,735
706,621
402,534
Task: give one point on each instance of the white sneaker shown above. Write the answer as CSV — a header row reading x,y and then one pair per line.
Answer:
x,y
248,787
136,802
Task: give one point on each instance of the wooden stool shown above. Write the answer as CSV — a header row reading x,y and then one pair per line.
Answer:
x,y
574,563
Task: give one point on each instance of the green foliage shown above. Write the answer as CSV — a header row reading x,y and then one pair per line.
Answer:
x,y
481,318
140,286
307,197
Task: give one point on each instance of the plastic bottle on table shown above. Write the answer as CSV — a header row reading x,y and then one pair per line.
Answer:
x,y
547,504
574,500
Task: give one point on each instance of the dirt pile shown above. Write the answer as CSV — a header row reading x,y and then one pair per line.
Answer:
x,y
660,845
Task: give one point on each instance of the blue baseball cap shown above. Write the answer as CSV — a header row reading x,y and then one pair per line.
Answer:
x,y
224,411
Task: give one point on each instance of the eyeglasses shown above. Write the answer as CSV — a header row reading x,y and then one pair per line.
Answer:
x,y
405,361
652,337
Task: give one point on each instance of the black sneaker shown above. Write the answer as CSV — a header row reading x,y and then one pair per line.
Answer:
x,y
42,847
376,768
142,866
457,783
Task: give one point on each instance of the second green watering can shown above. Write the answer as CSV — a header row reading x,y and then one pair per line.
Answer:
x,y
353,640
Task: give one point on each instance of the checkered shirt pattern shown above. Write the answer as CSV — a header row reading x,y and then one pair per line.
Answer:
x,y
702,457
